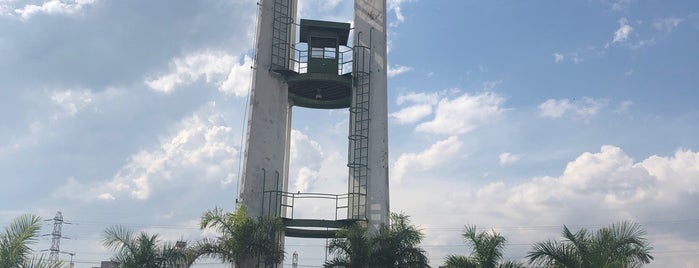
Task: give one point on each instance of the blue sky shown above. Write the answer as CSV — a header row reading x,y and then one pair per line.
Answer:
x,y
518,116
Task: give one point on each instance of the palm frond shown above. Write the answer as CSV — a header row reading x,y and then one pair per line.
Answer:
x,y
14,242
619,245
458,261
511,264
553,254
241,237
119,238
41,262
625,242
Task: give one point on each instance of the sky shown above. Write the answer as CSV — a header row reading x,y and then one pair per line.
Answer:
x,y
518,117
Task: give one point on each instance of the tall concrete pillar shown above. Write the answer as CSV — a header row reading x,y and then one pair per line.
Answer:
x,y
269,122
265,166
370,31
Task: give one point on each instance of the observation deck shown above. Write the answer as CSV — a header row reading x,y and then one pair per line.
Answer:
x,y
318,74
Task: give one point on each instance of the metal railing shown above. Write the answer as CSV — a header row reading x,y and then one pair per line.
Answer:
x,y
289,202
302,55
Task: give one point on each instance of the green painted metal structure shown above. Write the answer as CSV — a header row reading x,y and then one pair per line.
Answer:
x,y
318,73
322,72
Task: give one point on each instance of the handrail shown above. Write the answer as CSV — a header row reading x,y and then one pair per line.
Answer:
x,y
288,200
302,55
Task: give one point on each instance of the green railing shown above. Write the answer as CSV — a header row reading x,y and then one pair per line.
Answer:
x,y
287,203
303,59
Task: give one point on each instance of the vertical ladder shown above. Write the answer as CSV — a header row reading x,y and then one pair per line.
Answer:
x,y
272,195
281,35
271,207
359,134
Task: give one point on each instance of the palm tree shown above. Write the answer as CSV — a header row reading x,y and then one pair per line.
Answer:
x,y
15,241
352,250
619,245
242,239
143,250
486,252
395,245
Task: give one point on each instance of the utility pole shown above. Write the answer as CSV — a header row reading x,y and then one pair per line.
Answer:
x,y
71,259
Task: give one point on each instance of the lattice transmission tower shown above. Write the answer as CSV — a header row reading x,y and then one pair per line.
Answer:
x,y
56,236
295,260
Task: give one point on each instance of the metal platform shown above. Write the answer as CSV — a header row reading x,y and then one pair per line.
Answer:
x,y
319,90
310,227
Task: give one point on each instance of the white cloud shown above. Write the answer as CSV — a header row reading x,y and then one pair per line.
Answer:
x,y
394,70
311,8
198,144
306,156
227,72
596,188
71,101
575,57
621,34
508,158
438,154
330,4
610,169
464,113
587,107
53,7
302,145
667,24
5,8
623,107
554,108
106,196
610,177
422,106
395,6
620,5
412,114
558,57
676,174
305,177
629,72
238,80
642,43
421,98
201,145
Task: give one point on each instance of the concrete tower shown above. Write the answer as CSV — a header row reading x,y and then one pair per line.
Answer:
x,y
370,76
320,70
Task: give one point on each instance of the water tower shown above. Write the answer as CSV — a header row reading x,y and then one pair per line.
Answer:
x,y
320,70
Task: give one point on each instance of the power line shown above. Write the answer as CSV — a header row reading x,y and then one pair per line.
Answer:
x,y
432,228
